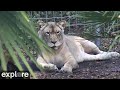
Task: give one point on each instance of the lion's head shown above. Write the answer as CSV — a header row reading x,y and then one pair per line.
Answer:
x,y
52,33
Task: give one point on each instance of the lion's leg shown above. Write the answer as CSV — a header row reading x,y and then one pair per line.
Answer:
x,y
46,66
90,47
70,64
101,56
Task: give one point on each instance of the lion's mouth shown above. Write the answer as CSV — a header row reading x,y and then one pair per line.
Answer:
x,y
53,46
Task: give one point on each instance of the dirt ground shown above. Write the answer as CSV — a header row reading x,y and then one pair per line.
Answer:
x,y
108,69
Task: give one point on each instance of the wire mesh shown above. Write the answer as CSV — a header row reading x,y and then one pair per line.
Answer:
x,y
75,25
73,22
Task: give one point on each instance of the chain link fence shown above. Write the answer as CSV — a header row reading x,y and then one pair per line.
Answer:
x,y
75,25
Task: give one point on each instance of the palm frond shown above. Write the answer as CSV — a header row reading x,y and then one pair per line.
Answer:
x,y
2,58
102,19
17,32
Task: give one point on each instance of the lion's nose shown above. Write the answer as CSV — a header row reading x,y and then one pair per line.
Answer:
x,y
53,42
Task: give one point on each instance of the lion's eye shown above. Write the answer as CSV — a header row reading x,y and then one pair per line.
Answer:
x,y
47,33
58,32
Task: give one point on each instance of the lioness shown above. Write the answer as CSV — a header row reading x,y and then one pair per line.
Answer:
x,y
69,50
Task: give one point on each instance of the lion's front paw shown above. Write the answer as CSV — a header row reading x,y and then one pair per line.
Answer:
x,y
66,69
50,67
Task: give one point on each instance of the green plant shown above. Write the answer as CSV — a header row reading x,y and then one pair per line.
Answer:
x,y
16,33
109,20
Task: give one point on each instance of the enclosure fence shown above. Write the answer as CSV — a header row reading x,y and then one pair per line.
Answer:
x,y
75,24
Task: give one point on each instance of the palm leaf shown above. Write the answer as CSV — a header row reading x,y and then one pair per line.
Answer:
x,y
114,41
2,57
15,31
103,18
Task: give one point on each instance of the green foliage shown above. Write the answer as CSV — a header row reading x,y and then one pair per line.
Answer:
x,y
106,21
17,34
109,20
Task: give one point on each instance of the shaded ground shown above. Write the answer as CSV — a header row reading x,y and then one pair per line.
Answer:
x,y
108,69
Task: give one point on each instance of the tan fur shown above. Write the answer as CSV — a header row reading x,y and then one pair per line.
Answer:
x,y
69,50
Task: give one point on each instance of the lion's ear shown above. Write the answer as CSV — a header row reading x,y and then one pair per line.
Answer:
x,y
62,23
41,23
